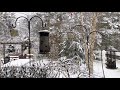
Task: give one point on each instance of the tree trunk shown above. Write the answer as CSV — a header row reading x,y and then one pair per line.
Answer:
x,y
92,41
84,39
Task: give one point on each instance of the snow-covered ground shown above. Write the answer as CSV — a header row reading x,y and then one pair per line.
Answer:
x,y
58,67
109,73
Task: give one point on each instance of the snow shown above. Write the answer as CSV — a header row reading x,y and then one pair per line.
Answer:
x,y
44,31
69,19
109,73
117,53
99,56
104,56
19,62
58,71
40,63
18,14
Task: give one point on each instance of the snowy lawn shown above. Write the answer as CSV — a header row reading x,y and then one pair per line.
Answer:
x,y
109,73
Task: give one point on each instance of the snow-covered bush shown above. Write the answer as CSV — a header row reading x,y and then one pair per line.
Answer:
x,y
62,68
22,72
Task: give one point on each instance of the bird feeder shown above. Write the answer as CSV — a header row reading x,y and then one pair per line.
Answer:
x,y
44,42
14,32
